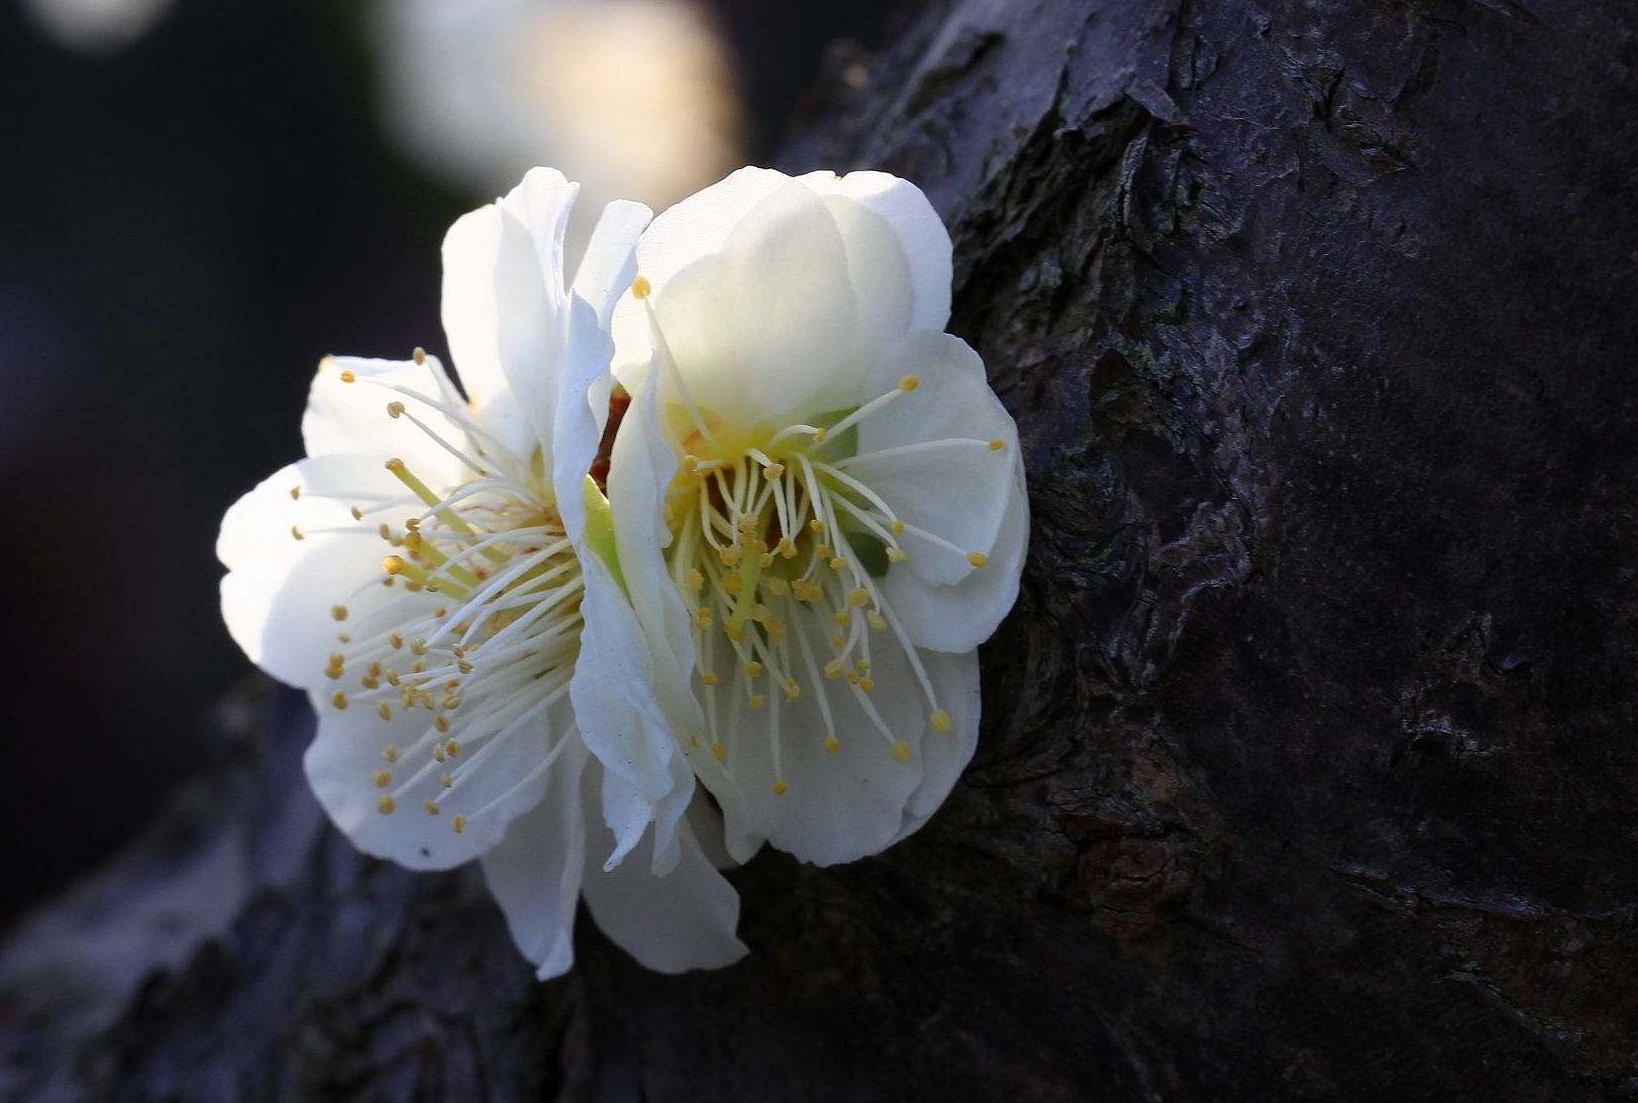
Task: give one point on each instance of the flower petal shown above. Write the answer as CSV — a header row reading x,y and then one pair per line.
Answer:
x,y
945,754
535,871
765,328
928,453
502,302
683,920
351,417
280,596
898,252
837,805
351,747
961,616
610,262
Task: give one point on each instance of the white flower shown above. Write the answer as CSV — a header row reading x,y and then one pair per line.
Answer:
x,y
431,572
819,504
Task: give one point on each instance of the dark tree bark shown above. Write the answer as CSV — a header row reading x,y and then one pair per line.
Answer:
x,y
1308,768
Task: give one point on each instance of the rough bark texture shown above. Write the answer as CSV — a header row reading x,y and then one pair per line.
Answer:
x,y
1309,765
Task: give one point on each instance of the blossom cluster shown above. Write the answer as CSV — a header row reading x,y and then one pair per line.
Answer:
x,y
696,558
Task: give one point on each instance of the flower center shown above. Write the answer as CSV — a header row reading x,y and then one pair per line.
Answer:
x,y
780,551
490,640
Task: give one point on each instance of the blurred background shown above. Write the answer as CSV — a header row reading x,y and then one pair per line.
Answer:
x,y
200,199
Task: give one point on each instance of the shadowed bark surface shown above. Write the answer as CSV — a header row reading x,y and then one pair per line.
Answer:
x,y
1310,759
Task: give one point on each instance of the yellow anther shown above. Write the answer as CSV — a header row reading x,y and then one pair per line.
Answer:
x,y
875,620
438,752
395,465
940,719
358,514
445,780
718,751
396,640
463,666
395,409
816,525
386,805
419,355
853,676
708,678
460,823
977,559
778,587
418,646
452,747
347,376
775,626
901,750
909,383
824,550
392,677
370,683
863,665
866,684
339,700
390,752
833,669
793,691
384,532
774,470
767,559
896,555
694,579
295,492
819,436
732,581
295,530
760,613
837,563
757,700
837,642
442,723
431,806
997,444
383,778
898,528
384,709
831,743
733,631
338,612
337,660
393,564
452,703
753,668
858,597
641,288
842,617
787,547
780,788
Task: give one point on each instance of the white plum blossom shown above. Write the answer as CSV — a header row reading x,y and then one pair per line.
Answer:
x,y
439,574
819,504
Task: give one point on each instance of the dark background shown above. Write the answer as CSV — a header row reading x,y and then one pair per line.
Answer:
x,y
186,227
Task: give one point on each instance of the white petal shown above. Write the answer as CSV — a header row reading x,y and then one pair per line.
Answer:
x,y
898,252
279,597
611,257
765,328
945,754
840,805
348,750
683,920
344,417
535,871
502,307
642,467
957,489
961,616
620,718
682,234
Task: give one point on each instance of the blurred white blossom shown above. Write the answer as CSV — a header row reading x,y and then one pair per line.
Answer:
x,y
634,98
96,26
